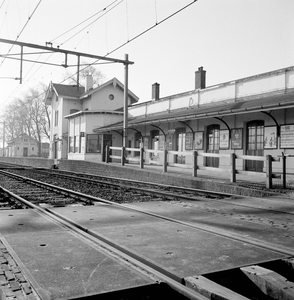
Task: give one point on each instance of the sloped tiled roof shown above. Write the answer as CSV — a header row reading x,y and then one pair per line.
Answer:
x,y
71,91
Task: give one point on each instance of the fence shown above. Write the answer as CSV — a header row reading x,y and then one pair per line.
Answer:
x,y
232,171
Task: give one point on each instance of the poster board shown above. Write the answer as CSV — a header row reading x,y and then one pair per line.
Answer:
x,y
161,142
237,138
189,141
169,142
224,139
146,142
198,140
270,140
287,136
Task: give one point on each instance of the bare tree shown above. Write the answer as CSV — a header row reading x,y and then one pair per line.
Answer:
x,y
28,115
86,69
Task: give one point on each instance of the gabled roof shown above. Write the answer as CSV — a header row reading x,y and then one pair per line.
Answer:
x,y
21,136
116,83
63,90
69,91
73,92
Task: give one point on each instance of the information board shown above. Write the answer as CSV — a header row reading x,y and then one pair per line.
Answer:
x,y
189,141
287,136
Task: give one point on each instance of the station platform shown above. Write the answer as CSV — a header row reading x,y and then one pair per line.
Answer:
x,y
249,185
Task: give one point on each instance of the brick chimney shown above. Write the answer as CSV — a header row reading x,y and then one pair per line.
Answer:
x,y
200,78
89,83
155,91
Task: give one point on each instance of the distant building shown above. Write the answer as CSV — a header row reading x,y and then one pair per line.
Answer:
x,y
22,146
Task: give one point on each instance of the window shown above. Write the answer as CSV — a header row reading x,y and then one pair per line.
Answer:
x,y
56,118
93,143
33,149
71,144
25,140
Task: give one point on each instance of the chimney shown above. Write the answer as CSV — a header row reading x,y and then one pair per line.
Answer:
x,y
155,91
89,83
200,78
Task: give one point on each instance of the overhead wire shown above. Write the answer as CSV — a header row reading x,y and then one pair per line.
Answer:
x,y
142,33
2,3
90,24
36,61
123,44
23,28
100,11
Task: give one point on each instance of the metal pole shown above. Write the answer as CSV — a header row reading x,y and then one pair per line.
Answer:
x,y
21,58
3,138
78,73
125,135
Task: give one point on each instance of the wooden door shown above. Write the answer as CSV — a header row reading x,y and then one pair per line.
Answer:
x,y
212,145
254,145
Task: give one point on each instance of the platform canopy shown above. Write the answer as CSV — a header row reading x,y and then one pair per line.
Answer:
x,y
227,108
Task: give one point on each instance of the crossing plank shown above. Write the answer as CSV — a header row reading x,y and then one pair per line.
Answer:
x,y
210,289
270,282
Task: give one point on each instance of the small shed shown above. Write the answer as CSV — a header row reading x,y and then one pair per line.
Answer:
x,y
23,146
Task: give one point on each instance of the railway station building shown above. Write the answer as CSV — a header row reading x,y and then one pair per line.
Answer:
x,y
76,111
252,116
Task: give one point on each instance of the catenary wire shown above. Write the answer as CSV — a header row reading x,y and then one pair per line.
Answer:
x,y
83,22
132,39
29,18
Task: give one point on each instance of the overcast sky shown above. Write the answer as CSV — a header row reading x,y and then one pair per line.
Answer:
x,y
231,39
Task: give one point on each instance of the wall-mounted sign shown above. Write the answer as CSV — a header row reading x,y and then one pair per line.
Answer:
x,y
237,138
287,136
224,139
198,140
146,142
189,141
270,137
161,141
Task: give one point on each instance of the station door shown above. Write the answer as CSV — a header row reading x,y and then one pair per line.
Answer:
x,y
180,144
212,145
107,141
25,151
154,134
254,145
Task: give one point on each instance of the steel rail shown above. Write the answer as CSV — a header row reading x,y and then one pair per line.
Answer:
x,y
199,191
149,267
218,232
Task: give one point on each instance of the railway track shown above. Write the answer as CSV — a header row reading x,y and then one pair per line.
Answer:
x,y
125,189
226,278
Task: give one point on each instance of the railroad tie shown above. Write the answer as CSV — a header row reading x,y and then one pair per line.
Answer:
x,y
270,282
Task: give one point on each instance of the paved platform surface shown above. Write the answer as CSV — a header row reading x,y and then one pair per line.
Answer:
x,y
58,263
61,265
181,249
